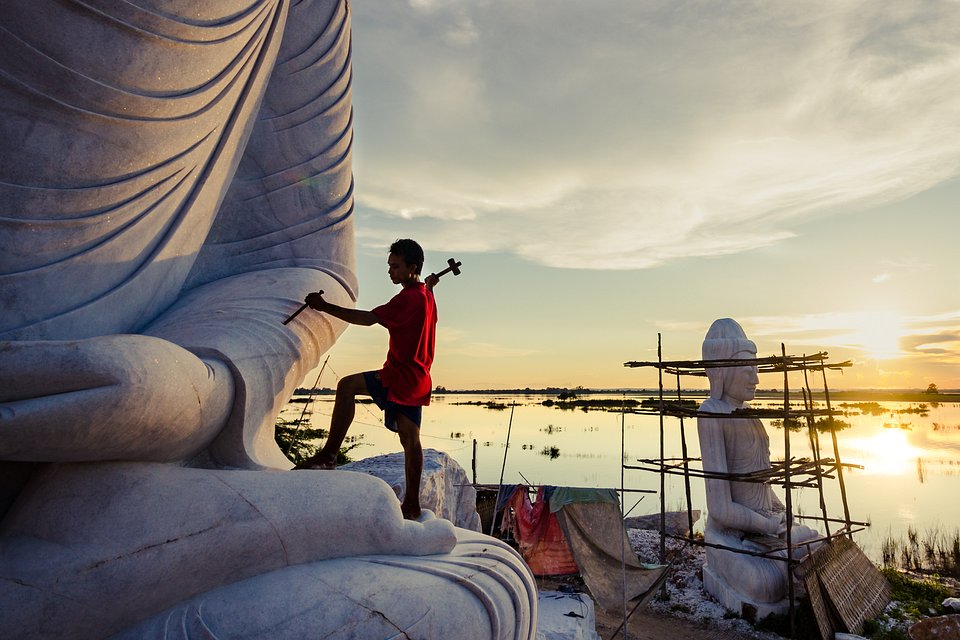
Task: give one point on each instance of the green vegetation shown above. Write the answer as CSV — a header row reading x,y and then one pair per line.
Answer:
x,y
866,408
919,409
822,425
551,452
935,553
596,404
794,424
654,403
913,598
916,597
296,440
489,404
880,395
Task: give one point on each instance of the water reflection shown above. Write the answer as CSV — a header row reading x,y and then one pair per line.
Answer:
x,y
908,474
886,452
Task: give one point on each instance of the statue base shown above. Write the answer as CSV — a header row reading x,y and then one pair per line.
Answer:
x,y
735,601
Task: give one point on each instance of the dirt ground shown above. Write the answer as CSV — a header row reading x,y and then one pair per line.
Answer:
x,y
648,625
644,623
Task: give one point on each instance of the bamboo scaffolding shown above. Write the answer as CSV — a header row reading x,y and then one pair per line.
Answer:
x,y
769,364
790,473
677,411
773,554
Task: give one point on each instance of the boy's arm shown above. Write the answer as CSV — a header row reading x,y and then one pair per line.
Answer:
x,y
352,316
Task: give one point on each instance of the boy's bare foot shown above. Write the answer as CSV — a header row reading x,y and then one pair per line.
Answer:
x,y
410,512
316,462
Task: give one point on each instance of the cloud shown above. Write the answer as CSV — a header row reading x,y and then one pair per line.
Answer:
x,y
934,337
452,343
631,134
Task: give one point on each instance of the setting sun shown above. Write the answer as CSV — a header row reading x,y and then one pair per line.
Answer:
x,y
877,334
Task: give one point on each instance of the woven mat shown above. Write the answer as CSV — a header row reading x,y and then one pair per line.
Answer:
x,y
844,587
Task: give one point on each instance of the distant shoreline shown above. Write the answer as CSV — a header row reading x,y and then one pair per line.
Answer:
x,y
844,395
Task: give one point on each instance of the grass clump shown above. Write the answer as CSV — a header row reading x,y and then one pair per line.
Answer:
x,y
935,552
912,598
917,597
297,442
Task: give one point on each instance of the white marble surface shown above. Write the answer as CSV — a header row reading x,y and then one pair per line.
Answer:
x,y
445,488
476,592
175,178
740,515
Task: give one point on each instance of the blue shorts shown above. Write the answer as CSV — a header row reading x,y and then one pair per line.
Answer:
x,y
390,409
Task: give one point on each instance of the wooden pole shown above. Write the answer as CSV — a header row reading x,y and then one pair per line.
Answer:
x,y
788,490
474,464
836,453
623,499
686,463
502,468
663,476
815,448
296,432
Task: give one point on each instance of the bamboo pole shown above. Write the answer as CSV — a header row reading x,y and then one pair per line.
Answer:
x,y
306,405
815,449
686,465
788,494
623,496
836,454
502,468
663,476
474,461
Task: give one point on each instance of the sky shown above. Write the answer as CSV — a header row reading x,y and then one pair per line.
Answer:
x,y
612,171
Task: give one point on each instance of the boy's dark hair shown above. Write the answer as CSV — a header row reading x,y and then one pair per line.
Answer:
x,y
410,251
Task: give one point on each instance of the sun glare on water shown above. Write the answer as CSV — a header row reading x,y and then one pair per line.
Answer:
x,y
887,453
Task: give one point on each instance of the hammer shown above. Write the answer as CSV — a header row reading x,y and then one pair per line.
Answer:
x,y
454,266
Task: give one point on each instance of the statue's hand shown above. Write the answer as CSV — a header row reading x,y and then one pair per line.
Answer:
x,y
118,397
777,523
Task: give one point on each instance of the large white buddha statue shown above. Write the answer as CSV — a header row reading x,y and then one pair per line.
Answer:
x,y
175,176
745,516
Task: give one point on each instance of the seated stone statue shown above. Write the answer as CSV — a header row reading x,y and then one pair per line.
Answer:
x,y
175,177
741,515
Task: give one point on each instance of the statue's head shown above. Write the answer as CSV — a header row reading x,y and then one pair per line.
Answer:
x,y
726,340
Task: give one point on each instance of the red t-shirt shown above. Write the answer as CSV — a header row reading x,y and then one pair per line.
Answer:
x,y
411,318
